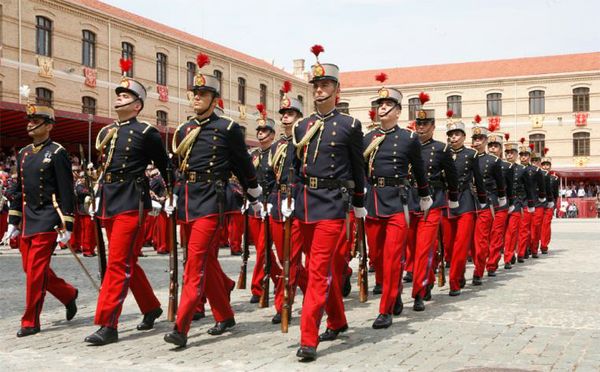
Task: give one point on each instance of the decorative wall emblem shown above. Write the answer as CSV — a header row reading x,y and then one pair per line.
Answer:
x,y
45,66
581,118
163,93
537,121
90,75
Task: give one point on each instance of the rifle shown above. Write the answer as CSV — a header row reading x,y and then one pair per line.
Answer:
x,y
286,309
441,274
97,225
241,283
172,246
264,297
363,280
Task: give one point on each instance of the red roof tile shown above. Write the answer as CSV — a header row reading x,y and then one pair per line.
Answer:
x,y
475,70
115,12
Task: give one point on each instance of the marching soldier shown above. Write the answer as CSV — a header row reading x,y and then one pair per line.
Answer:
x,y
83,195
490,168
127,147
495,140
552,185
443,181
522,199
390,151
540,210
459,223
43,175
211,148
158,192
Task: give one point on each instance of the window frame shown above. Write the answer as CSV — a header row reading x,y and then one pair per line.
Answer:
x,y
581,99
581,145
89,105
162,118
161,68
539,142
191,69
454,103
43,27
88,48
414,105
47,100
128,52
491,100
241,90
537,97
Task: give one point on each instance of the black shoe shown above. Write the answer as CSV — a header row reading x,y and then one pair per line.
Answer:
x,y
521,259
89,255
377,289
162,253
103,336
382,321
419,305
545,251
454,293
347,287
254,299
513,260
149,318
72,306
408,278
477,280
462,282
236,253
199,315
491,273
332,334
427,296
470,259
176,338
371,269
534,255
221,327
276,319
398,306
27,331
307,353
507,266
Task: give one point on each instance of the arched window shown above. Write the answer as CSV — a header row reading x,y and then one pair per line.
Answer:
x,y
263,94
301,99
127,52
191,72
455,104
88,105
43,36
413,106
219,75
88,49
162,118
537,103
581,144
494,104
581,99
241,91
539,142
43,96
161,69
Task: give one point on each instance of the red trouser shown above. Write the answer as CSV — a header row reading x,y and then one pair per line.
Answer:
x,y
458,237
256,227
185,230
75,240
376,243
536,228
511,236
123,271
483,231
88,234
389,235
203,267
148,230
422,238
323,239
524,232
546,233
236,230
277,232
159,236
36,251
497,239
3,222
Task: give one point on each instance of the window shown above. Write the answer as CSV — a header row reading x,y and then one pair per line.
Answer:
x,y
191,73
88,49
241,91
581,99
281,94
43,96
127,52
455,104
219,75
536,102
263,94
413,106
161,118
88,105
494,104
343,107
301,99
539,142
581,144
43,36
161,69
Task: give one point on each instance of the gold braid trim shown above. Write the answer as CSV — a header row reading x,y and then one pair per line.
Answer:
x,y
101,144
279,159
308,136
111,151
186,147
373,145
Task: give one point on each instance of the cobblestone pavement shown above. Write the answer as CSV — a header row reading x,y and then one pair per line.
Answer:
x,y
542,315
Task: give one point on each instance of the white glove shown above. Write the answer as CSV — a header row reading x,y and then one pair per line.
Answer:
x,y
511,209
63,237
257,207
90,166
91,210
550,205
542,200
360,212
530,209
425,203
482,206
453,204
245,206
264,213
156,208
170,207
11,232
284,208
502,202
255,192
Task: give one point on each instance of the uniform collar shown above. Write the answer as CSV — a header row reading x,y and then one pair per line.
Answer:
x,y
329,115
427,142
39,146
122,123
457,150
387,131
285,138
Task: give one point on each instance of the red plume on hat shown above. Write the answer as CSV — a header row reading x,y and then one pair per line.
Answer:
x,y
316,50
522,140
372,114
202,60
492,127
287,86
412,126
126,65
220,103
506,136
477,119
449,114
424,98
381,77
261,109
531,146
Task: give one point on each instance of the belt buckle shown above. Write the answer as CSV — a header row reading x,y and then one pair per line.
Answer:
x,y
192,176
380,181
108,178
283,188
312,182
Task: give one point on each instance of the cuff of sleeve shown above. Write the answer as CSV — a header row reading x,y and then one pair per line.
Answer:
x,y
252,183
530,203
358,200
424,191
482,199
69,226
501,193
453,196
14,220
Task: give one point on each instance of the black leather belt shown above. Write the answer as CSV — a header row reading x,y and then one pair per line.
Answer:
x,y
193,177
325,183
464,186
121,177
433,184
388,181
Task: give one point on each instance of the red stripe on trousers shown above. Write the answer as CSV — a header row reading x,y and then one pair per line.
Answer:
x,y
422,238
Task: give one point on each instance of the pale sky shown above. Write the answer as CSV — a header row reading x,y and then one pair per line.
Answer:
x,y
372,34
